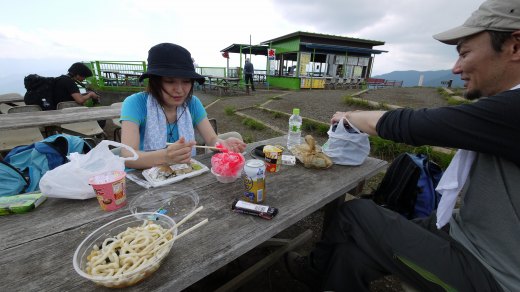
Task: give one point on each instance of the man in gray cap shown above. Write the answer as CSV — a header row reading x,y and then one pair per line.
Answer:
x,y
473,248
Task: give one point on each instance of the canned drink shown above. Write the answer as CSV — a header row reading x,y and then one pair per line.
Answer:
x,y
254,181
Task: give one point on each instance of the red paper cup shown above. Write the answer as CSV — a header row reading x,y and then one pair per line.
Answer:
x,y
110,188
273,158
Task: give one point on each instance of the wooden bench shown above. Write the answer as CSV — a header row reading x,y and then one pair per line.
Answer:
x,y
375,82
4,108
393,83
447,83
221,89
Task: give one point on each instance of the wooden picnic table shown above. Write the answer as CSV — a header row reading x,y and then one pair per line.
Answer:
x,y
118,78
222,84
57,117
10,97
38,247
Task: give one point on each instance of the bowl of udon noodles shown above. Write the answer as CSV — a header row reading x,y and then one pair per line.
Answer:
x,y
126,250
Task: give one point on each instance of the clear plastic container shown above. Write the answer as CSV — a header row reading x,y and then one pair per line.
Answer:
x,y
226,179
176,204
112,229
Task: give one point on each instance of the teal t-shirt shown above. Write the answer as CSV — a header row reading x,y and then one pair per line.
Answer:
x,y
134,110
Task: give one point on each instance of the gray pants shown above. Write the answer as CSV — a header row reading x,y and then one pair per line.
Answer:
x,y
365,242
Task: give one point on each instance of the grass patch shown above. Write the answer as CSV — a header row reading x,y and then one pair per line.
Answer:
x,y
230,110
253,124
248,138
388,150
315,127
450,97
277,115
456,101
349,100
275,98
443,92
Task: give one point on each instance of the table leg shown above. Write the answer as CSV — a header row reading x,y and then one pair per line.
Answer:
x,y
264,263
331,208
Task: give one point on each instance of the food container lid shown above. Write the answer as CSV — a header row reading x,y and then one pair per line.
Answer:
x,y
255,163
174,203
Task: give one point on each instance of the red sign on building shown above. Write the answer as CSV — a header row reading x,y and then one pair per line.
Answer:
x,y
271,54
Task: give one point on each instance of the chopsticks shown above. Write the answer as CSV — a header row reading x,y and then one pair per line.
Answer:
x,y
201,146
208,147
154,243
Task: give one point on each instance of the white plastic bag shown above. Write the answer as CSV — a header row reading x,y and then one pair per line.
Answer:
x,y
70,180
346,148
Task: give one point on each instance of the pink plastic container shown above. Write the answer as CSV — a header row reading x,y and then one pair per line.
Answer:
x,y
110,188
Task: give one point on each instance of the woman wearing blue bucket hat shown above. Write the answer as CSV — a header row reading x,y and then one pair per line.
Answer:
x,y
160,122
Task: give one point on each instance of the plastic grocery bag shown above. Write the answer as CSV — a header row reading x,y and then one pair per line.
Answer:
x,y
346,146
70,180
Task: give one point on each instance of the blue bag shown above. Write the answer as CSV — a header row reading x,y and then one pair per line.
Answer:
x,y
408,186
23,167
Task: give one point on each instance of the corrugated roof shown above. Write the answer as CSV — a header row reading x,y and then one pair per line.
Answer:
x,y
348,49
325,36
255,49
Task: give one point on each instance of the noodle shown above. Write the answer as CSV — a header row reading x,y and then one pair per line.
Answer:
x,y
128,250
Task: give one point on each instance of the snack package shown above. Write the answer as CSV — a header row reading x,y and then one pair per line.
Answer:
x,y
310,154
22,203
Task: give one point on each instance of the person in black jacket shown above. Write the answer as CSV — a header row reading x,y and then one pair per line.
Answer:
x,y
66,88
474,248
249,70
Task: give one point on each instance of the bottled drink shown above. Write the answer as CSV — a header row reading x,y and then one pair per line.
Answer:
x,y
45,104
295,129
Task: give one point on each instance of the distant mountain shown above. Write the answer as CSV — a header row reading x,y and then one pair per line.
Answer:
x,y
431,78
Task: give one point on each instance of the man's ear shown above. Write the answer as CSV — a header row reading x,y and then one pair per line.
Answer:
x,y
516,45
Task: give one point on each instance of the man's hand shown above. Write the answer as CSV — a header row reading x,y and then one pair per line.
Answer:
x,y
94,95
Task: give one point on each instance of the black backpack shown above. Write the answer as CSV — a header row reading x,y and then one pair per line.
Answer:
x,y
408,186
39,88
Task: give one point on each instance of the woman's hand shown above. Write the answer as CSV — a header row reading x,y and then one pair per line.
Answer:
x,y
179,152
234,144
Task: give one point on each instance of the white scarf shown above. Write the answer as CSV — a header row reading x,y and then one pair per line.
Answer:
x,y
451,183
156,133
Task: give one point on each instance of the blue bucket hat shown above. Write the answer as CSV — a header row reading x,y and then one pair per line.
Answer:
x,y
171,60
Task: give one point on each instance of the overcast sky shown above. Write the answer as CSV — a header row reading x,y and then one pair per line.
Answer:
x,y
47,36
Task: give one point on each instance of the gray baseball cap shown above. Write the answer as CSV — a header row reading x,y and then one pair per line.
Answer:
x,y
497,15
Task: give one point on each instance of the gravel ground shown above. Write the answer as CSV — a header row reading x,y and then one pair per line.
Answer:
x,y
413,97
319,105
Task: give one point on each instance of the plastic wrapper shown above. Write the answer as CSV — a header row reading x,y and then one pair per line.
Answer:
x,y
310,154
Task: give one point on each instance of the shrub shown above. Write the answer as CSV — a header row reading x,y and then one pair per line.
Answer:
x,y
349,100
248,138
230,110
277,115
253,124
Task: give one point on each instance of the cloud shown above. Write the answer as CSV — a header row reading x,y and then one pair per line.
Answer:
x,y
126,29
405,26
